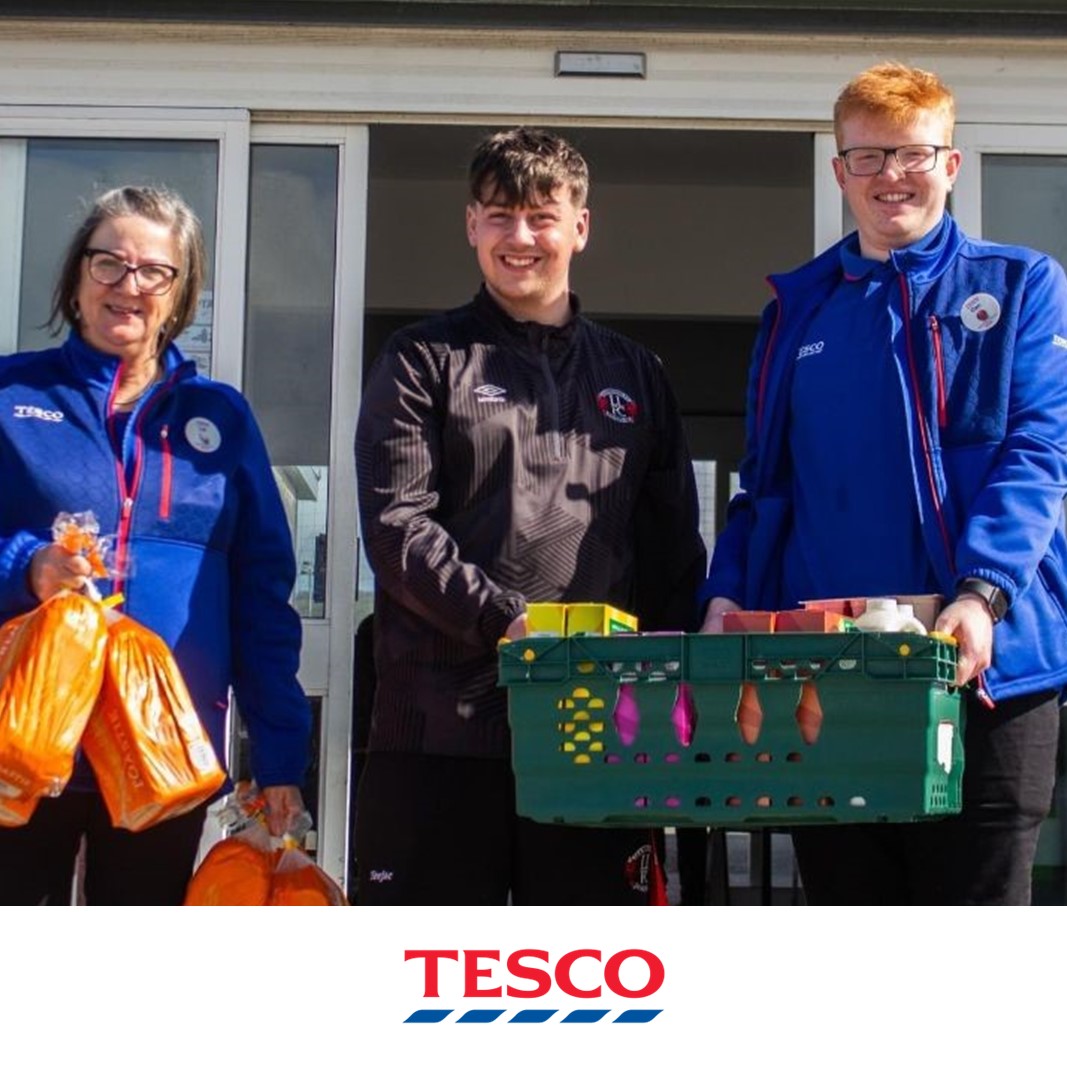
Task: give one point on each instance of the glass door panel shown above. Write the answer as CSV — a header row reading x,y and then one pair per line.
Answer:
x,y
288,377
289,339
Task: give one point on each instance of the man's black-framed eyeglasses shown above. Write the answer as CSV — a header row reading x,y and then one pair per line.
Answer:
x,y
865,162
153,279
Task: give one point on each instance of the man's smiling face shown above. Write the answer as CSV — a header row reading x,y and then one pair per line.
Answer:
x,y
894,209
525,250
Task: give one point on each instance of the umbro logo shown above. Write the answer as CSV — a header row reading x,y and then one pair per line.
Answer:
x,y
490,394
30,411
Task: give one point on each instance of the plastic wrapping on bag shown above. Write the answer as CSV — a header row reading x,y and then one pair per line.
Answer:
x,y
235,872
79,534
151,755
51,669
246,867
300,882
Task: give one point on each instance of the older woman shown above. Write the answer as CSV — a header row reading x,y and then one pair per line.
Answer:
x,y
116,421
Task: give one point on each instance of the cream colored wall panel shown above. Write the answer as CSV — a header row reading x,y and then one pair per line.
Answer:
x,y
691,78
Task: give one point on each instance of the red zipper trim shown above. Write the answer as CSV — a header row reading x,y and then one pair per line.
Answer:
x,y
164,493
939,367
921,421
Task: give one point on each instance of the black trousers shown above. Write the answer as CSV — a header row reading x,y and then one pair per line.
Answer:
x,y
443,830
152,866
985,855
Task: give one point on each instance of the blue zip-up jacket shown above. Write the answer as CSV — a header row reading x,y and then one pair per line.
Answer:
x,y
982,365
200,533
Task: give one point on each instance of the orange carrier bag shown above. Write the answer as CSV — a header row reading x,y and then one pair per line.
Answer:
x,y
51,668
300,882
145,741
236,871
16,811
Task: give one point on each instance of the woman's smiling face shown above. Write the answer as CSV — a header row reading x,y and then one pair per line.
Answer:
x,y
120,319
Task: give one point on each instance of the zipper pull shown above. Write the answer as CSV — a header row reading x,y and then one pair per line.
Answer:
x,y
982,693
127,506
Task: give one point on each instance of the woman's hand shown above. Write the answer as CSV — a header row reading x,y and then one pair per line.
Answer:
x,y
54,568
283,804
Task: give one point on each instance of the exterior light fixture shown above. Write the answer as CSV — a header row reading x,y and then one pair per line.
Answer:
x,y
600,64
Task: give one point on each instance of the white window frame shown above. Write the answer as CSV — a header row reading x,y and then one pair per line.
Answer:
x,y
228,127
979,139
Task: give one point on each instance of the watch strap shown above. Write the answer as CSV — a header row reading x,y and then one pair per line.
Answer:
x,y
995,598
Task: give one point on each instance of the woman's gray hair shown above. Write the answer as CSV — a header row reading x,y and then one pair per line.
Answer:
x,y
157,205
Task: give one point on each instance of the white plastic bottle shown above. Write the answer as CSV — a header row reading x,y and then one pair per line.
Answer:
x,y
881,615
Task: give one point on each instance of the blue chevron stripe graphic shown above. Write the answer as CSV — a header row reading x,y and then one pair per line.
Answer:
x,y
480,1015
637,1015
533,1015
584,1015
429,1015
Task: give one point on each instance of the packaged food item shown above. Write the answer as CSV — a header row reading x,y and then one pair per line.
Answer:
x,y
236,872
145,741
16,810
51,670
247,869
300,882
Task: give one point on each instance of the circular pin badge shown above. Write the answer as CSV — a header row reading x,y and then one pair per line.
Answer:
x,y
203,434
980,312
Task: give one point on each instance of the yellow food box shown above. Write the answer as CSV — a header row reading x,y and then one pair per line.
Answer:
x,y
598,619
546,620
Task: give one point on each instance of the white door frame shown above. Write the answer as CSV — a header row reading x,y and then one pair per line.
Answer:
x,y
326,667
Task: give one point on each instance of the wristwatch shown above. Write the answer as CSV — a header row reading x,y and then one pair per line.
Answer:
x,y
994,597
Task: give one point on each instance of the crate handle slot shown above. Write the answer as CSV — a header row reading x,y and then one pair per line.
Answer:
x,y
627,715
684,715
749,714
809,714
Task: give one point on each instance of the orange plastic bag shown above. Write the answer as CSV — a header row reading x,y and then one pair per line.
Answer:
x,y
16,810
299,882
236,871
51,669
144,740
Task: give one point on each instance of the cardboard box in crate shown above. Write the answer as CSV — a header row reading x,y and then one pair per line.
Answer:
x,y
641,729
565,619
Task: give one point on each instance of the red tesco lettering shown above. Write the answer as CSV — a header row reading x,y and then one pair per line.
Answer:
x,y
479,973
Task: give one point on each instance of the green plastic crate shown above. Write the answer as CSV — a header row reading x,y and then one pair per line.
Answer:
x,y
889,748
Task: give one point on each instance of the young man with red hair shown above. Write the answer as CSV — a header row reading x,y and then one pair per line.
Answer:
x,y
907,433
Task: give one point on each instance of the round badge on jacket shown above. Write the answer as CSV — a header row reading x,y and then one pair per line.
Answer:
x,y
203,434
980,312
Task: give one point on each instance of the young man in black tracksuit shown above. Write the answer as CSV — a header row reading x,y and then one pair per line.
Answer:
x,y
508,451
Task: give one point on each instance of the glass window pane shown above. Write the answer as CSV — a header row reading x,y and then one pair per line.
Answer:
x,y
64,175
1037,217
289,339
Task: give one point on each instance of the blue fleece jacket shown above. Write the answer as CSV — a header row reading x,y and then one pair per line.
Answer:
x,y
200,531
981,351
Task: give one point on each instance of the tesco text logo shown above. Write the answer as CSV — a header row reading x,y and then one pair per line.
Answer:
x,y
531,974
